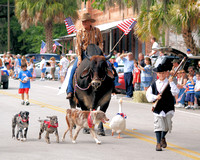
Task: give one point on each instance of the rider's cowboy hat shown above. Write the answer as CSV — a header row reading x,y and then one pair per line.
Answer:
x,y
87,17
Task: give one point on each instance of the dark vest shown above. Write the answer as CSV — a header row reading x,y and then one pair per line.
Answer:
x,y
166,103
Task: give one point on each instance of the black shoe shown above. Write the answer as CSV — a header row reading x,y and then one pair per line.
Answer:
x,y
101,133
27,103
69,95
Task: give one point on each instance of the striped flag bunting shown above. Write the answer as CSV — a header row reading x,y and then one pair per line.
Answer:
x,y
127,25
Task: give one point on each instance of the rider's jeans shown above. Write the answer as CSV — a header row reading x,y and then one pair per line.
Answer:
x,y
70,84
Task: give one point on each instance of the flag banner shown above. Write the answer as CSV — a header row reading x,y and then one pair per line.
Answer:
x,y
55,45
127,25
43,47
69,25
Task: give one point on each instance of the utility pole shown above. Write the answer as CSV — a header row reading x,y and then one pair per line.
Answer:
x,y
8,26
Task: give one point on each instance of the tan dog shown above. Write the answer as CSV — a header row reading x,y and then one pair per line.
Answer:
x,y
83,119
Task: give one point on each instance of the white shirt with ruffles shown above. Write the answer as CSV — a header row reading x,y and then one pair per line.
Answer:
x,y
160,85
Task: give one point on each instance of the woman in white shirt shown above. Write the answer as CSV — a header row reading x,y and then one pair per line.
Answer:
x,y
43,68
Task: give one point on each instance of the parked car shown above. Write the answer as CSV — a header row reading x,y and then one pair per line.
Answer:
x,y
120,68
48,69
47,56
4,78
192,61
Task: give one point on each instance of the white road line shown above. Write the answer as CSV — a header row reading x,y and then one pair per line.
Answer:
x,y
194,114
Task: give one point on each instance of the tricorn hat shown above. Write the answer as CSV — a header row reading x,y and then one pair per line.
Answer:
x,y
160,68
87,17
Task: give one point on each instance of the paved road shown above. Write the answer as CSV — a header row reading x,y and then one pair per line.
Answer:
x,y
138,140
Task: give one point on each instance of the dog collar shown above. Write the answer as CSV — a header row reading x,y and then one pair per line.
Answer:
x,y
122,114
23,120
49,125
90,121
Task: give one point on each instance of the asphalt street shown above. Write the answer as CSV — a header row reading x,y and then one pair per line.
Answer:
x,y
138,140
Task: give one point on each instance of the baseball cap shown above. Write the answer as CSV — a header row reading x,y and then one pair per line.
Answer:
x,y
113,57
188,50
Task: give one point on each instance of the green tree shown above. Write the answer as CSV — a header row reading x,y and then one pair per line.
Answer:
x,y
46,12
185,19
31,37
153,20
181,16
14,28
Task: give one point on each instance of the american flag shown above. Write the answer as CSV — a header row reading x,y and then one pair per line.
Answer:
x,y
55,45
69,25
43,47
127,25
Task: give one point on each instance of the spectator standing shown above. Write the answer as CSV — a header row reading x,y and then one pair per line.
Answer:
x,y
141,59
118,59
190,92
64,63
52,62
24,78
136,76
1,64
128,61
146,73
72,58
34,73
114,65
16,67
30,66
4,59
43,68
9,59
34,60
23,60
198,66
189,54
154,46
19,59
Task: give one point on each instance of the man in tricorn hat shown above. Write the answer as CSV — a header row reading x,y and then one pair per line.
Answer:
x,y
85,36
162,92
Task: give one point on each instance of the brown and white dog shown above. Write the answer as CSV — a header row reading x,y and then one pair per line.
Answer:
x,y
83,119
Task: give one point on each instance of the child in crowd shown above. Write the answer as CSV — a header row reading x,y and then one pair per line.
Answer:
x,y
190,92
136,76
34,73
197,90
24,78
146,73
